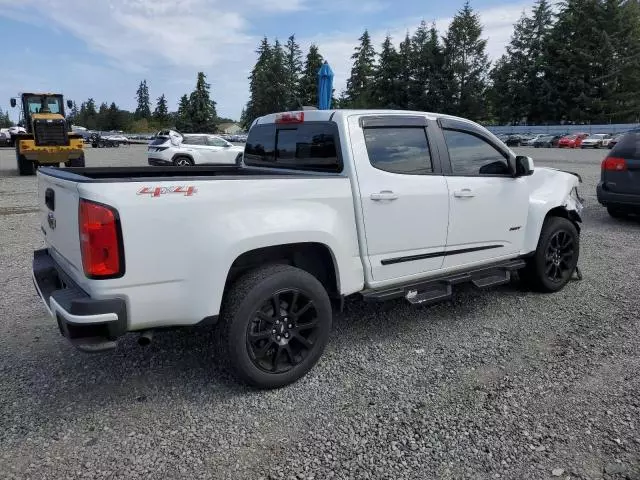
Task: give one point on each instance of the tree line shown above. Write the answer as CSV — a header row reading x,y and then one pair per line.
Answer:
x,y
196,112
578,64
5,121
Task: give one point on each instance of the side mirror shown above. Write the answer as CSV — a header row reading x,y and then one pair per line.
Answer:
x,y
13,103
69,104
524,166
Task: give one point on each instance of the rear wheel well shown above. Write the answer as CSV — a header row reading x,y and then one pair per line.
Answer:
x,y
314,258
564,213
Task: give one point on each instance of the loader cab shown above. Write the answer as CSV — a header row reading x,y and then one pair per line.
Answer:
x,y
40,106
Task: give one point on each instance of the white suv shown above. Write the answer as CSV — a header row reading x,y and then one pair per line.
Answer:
x,y
181,150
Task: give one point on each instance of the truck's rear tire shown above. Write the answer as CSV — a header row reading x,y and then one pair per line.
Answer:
x,y
274,324
26,167
555,258
76,162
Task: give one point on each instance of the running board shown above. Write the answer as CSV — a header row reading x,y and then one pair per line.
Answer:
x,y
440,288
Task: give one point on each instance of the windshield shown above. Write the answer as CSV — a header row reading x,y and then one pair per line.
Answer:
x,y
44,104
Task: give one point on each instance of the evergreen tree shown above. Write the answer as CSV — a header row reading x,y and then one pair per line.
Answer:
x,y
101,120
5,121
202,109
466,64
276,89
114,120
293,63
520,90
309,82
405,59
258,104
625,102
143,109
427,86
360,83
161,113
73,113
386,91
183,120
577,52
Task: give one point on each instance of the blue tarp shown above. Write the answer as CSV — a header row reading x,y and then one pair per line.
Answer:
x,y
325,87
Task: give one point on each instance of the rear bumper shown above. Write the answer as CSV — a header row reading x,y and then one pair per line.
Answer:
x,y
607,198
90,324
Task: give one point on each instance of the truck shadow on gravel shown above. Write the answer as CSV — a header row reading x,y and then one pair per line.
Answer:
x,y
184,361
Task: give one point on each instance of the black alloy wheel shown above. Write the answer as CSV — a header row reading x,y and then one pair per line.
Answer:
x,y
560,251
274,325
553,263
283,331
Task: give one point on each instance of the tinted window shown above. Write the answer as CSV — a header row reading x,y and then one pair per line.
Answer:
x,y
260,145
309,146
627,146
471,155
399,149
194,140
216,142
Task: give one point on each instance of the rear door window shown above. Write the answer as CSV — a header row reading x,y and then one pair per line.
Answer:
x,y
402,150
307,146
195,140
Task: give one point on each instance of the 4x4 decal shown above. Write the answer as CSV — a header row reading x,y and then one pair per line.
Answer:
x,y
186,190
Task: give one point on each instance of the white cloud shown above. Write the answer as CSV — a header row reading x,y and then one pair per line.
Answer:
x,y
168,41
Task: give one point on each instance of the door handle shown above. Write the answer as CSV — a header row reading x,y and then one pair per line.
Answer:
x,y
464,193
383,195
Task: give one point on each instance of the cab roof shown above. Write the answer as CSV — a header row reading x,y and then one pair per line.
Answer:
x,y
340,114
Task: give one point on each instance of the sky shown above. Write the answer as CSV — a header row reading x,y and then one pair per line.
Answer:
x,y
104,48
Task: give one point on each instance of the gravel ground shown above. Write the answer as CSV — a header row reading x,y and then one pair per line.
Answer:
x,y
495,384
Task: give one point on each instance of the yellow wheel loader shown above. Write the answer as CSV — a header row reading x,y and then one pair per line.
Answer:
x,y
48,140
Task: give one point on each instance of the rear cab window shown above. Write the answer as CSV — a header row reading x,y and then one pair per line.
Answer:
x,y
311,146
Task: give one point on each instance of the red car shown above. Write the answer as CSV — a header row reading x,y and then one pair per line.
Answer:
x,y
572,141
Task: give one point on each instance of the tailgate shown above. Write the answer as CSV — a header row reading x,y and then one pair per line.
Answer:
x,y
626,181
58,203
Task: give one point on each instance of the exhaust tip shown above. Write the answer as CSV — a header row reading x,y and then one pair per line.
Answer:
x,y
145,338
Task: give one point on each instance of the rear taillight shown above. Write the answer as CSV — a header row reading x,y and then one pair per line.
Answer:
x,y
614,164
290,117
100,240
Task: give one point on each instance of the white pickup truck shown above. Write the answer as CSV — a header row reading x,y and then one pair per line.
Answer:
x,y
326,204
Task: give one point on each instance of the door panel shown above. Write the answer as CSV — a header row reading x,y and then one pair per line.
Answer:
x,y
488,221
403,198
488,207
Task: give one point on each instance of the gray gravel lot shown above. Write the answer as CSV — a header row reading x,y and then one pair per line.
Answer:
x,y
495,384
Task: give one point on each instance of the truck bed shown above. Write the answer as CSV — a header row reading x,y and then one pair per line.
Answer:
x,y
138,174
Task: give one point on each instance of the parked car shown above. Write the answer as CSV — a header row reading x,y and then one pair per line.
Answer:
x,y
619,187
5,137
598,140
323,207
572,141
547,141
529,141
181,150
514,140
613,142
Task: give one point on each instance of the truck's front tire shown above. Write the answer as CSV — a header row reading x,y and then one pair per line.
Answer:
x,y
274,325
556,257
26,167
